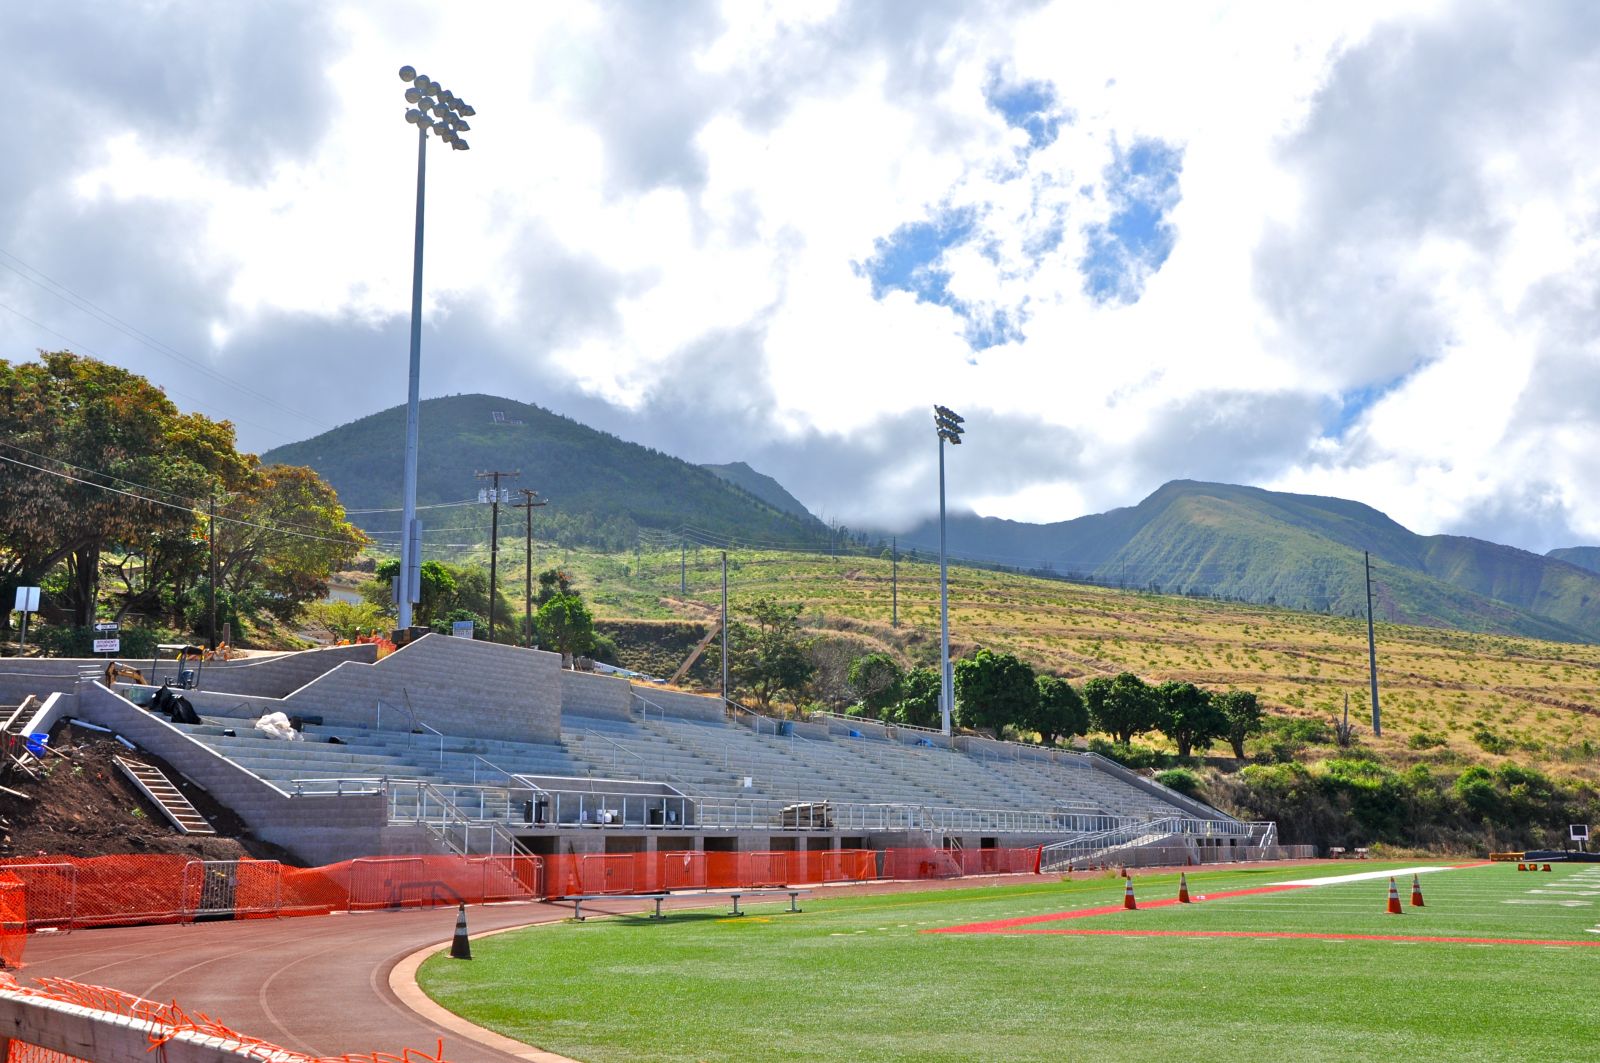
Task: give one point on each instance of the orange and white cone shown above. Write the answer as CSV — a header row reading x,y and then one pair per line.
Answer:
x,y
1183,888
1416,892
1394,898
1127,898
460,947
1522,867
1547,867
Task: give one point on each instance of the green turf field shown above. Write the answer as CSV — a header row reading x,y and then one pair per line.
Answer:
x,y
861,978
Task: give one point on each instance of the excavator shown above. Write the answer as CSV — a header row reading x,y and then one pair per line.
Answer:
x,y
116,670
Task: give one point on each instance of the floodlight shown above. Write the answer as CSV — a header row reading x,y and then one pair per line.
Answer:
x,y
465,109
408,73
412,95
459,144
460,126
948,414
413,116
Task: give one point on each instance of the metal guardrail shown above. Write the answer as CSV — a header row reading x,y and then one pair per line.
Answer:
x,y
1137,833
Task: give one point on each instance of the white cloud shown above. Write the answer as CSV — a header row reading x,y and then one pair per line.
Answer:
x,y
665,211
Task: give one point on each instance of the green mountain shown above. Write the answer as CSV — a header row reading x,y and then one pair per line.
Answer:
x,y
762,486
1583,556
602,490
1302,551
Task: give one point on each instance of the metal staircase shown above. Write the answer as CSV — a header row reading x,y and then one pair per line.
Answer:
x,y
154,784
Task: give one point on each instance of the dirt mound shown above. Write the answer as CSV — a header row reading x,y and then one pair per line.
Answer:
x,y
81,804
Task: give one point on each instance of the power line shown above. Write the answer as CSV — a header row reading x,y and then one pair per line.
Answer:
x,y
171,505
72,298
86,349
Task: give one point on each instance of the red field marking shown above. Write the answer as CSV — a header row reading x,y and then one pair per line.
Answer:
x,y
1131,932
1001,926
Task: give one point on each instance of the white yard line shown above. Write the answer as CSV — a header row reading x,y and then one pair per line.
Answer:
x,y
1334,880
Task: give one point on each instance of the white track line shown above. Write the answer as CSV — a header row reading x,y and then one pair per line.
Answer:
x,y
1334,880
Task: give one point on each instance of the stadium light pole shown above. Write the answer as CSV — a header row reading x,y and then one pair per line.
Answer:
x,y
947,425
437,108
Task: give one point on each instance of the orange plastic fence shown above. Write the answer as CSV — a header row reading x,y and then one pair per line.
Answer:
x,y
169,1020
68,892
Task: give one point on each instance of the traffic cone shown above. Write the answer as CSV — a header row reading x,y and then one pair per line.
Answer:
x,y
1394,899
1127,898
460,947
1522,867
1416,892
1547,867
1183,888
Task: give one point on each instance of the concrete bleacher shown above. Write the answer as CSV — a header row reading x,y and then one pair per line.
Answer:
x,y
710,758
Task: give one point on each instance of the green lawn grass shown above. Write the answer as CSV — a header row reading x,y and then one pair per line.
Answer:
x,y
858,977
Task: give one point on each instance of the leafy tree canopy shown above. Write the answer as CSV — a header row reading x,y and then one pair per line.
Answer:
x,y
876,680
1123,706
1058,710
993,690
767,657
1244,715
1188,717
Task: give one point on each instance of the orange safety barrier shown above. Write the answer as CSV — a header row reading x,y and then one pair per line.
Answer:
x,y
68,892
166,1022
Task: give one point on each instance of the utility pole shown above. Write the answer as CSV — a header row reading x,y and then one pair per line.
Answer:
x,y
724,629
494,532
894,581
683,568
528,505
1372,649
211,534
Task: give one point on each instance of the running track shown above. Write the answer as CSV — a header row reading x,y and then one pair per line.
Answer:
x,y
320,984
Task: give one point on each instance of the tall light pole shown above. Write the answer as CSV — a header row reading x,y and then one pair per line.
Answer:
x,y
437,108
947,424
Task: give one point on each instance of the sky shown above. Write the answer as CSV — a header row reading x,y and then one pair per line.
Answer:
x,y
1343,249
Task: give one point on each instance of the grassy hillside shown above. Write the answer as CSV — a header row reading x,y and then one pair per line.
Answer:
x,y
1303,551
1587,557
601,489
1442,691
762,486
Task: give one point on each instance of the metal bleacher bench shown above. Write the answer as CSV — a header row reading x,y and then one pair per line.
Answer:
x,y
793,895
577,899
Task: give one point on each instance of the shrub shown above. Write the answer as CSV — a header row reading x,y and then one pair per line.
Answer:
x,y
1424,740
1488,741
1182,780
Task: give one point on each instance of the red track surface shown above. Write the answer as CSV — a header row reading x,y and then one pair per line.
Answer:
x,y
1006,926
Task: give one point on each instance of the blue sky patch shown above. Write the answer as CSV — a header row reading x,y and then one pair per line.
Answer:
x,y
1027,105
1141,185
910,259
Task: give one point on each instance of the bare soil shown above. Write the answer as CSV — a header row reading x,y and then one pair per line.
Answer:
x,y
81,804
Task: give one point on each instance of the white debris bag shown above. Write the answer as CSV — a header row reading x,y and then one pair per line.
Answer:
x,y
276,725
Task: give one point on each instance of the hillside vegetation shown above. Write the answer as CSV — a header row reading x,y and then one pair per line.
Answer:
x,y
1303,551
602,490
1447,697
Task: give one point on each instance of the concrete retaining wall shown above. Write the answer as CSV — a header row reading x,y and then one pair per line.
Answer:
x,y
678,703
596,695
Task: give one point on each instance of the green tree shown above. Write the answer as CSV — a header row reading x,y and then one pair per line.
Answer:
x,y
346,620
1058,711
1122,707
566,625
1243,713
876,678
994,690
1188,717
767,657
919,699
113,431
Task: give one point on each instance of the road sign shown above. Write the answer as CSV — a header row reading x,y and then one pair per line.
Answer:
x,y
27,600
108,645
1580,832
108,627
461,629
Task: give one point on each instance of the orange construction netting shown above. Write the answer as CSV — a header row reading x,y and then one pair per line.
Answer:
x,y
166,1022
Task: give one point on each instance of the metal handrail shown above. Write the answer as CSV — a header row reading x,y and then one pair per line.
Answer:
x,y
438,732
